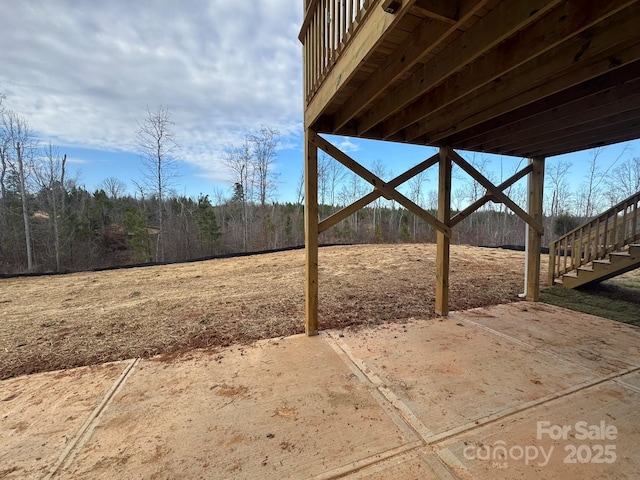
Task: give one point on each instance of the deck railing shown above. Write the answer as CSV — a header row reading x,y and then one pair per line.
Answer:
x,y
327,28
609,232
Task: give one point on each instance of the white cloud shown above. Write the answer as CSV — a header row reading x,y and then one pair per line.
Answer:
x,y
82,73
347,146
78,161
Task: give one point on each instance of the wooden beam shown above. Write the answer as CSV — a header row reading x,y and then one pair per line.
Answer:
x,y
600,104
600,50
349,210
496,26
442,241
598,138
378,183
311,234
426,37
536,187
489,196
418,44
442,10
473,136
495,191
570,132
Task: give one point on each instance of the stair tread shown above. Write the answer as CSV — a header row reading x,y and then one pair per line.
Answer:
x,y
586,269
620,254
605,262
570,275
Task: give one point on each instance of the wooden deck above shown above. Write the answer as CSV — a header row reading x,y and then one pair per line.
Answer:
x,y
532,78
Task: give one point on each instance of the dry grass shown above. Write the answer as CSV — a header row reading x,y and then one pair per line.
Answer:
x,y
64,321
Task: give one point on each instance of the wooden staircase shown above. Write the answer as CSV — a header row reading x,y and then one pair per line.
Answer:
x,y
607,246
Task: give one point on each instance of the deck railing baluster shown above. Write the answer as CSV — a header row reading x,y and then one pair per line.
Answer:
x,y
329,25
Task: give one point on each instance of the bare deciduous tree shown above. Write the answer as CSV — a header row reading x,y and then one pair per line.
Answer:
x,y
559,192
157,148
50,175
4,171
589,199
21,145
473,189
624,181
591,195
416,194
353,189
324,161
113,187
336,173
300,189
264,144
238,161
254,182
380,170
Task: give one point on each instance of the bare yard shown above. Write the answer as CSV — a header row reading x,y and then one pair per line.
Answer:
x,y
65,321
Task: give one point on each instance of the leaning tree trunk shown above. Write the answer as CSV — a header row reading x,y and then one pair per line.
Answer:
x,y
58,192
25,207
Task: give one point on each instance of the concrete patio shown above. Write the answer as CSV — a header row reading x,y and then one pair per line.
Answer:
x,y
514,391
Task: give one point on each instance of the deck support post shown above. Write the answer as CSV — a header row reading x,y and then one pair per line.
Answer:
x,y
311,234
536,190
443,241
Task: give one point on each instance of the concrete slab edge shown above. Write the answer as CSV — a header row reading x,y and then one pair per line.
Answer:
x,y
528,405
85,431
345,470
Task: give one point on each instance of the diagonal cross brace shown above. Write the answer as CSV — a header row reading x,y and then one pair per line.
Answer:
x,y
382,188
488,196
372,196
495,191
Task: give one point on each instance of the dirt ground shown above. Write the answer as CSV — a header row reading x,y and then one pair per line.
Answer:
x,y
56,322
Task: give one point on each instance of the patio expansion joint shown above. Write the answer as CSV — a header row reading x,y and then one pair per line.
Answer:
x,y
597,380
389,400
368,376
529,405
86,430
401,415
628,385
361,464
431,438
517,341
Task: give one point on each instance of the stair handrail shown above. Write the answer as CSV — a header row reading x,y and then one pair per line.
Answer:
x,y
608,232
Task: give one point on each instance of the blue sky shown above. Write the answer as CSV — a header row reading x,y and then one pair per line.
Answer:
x,y
82,74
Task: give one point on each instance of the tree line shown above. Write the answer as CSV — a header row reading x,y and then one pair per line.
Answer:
x,y
573,200
49,222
